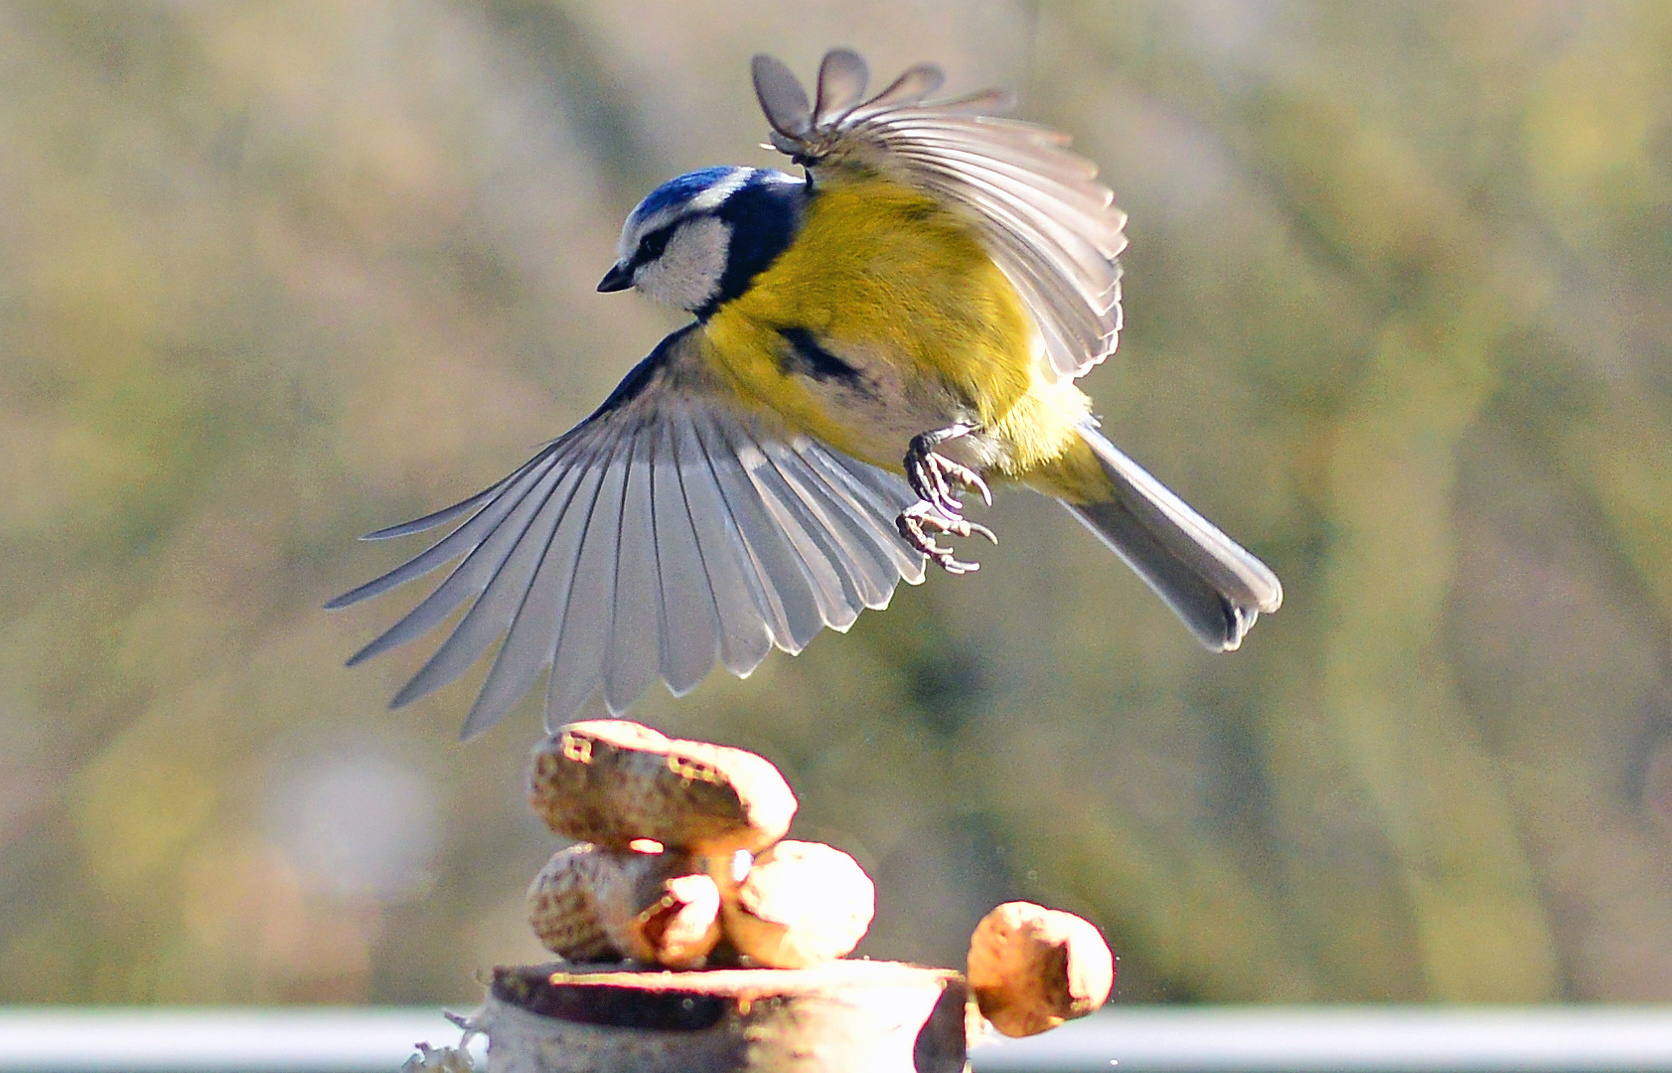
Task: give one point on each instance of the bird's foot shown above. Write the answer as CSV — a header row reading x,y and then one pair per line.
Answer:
x,y
923,520
932,475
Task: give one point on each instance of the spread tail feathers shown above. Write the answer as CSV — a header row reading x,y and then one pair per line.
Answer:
x,y
1209,581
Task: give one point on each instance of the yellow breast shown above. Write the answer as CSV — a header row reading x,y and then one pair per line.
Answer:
x,y
893,283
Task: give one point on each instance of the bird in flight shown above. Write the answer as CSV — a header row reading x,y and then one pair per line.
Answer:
x,y
896,328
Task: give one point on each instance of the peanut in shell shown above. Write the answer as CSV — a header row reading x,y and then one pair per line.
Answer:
x,y
591,903
611,782
1032,968
680,926
800,904
562,904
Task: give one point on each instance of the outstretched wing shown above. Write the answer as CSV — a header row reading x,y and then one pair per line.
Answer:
x,y
1049,226
666,531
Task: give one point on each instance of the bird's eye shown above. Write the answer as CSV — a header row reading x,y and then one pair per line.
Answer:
x,y
652,245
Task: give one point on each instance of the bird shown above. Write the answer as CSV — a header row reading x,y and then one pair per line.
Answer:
x,y
894,329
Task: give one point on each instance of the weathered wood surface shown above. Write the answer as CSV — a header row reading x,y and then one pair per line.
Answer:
x,y
858,1016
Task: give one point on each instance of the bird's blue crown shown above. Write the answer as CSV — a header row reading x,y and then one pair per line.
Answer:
x,y
761,208
678,192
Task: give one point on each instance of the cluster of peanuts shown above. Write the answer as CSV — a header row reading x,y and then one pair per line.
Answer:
x,y
682,863
680,852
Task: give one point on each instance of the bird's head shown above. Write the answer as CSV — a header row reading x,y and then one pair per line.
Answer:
x,y
697,241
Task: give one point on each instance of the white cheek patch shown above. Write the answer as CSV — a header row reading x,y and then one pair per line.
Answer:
x,y
687,275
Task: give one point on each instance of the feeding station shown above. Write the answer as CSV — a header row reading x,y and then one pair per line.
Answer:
x,y
693,937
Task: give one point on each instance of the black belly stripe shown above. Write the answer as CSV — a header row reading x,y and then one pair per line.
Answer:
x,y
805,357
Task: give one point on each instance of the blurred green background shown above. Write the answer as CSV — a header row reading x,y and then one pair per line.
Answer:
x,y
1398,318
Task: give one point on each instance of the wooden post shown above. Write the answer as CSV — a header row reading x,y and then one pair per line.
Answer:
x,y
838,1017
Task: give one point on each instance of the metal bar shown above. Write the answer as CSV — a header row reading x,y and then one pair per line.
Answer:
x,y
1348,1039
1540,1039
225,1040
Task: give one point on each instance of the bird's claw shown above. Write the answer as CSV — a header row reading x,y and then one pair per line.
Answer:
x,y
932,476
920,522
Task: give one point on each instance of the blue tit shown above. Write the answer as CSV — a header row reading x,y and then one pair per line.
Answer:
x,y
895,329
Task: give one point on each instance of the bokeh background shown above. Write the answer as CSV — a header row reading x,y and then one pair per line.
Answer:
x,y
1398,312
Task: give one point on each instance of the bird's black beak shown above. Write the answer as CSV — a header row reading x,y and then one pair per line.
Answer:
x,y
618,278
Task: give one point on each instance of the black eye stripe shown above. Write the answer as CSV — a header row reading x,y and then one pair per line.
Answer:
x,y
652,245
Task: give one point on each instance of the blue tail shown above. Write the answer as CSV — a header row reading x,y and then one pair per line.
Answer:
x,y
1209,580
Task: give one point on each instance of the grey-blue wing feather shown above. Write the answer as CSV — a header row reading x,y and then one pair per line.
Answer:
x,y
745,634
866,573
827,579
633,657
787,600
497,588
494,503
485,552
584,630
533,632
1048,224
688,625
670,529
